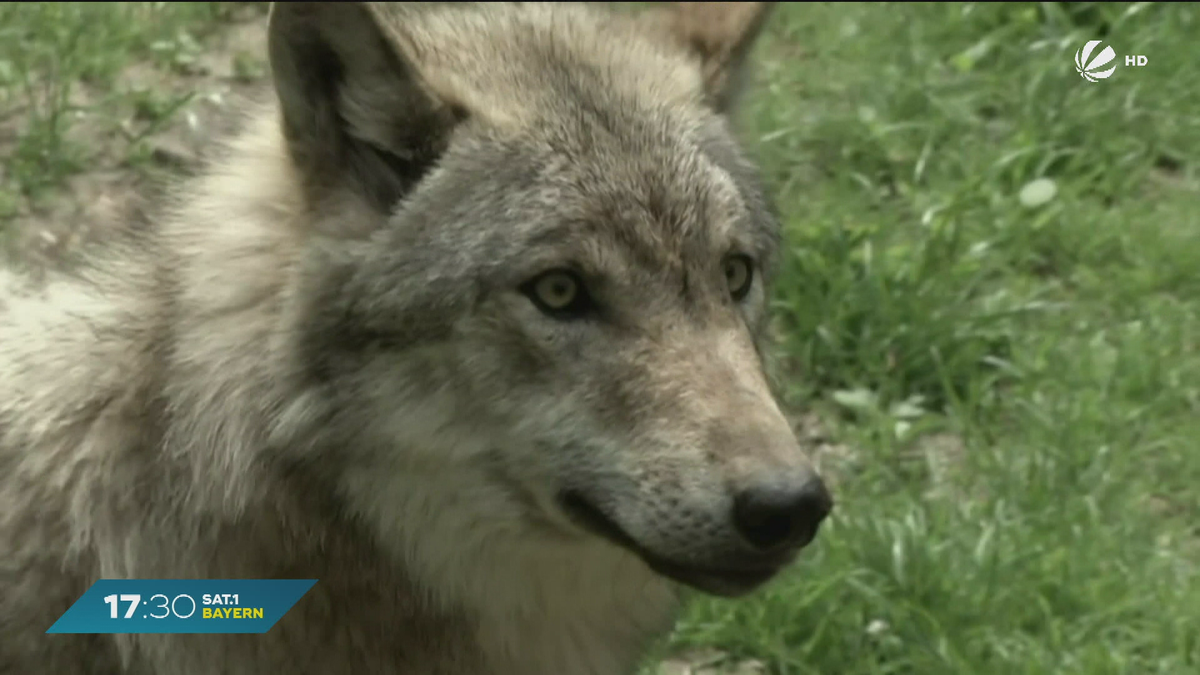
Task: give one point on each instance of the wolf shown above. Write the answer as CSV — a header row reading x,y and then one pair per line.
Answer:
x,y
467,322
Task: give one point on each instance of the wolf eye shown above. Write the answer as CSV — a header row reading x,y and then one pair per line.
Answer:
x,y
739,276
558,293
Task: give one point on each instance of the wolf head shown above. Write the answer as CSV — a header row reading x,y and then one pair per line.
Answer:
x,y
534,301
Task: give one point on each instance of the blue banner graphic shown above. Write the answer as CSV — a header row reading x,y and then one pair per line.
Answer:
x,y
182,606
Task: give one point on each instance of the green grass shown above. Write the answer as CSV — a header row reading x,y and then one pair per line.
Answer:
x,y
65,91
1057,343
1018,384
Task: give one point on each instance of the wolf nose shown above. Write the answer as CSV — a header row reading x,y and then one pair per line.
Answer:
x,y
775,515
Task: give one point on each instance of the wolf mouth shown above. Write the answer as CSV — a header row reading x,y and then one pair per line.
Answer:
x,y
723,581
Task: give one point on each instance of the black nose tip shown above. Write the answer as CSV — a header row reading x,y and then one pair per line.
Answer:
x,y
776,515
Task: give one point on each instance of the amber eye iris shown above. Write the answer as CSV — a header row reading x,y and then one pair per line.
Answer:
x,y
558,293
556,290
739,276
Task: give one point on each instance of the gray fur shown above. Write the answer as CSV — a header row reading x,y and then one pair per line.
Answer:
x,y
316,360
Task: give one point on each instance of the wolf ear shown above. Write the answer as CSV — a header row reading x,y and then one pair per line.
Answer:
x,y
720,36
355,112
